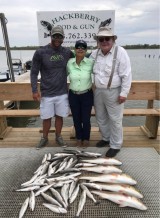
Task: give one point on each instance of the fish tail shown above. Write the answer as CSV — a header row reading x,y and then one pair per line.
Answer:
x,y
68,207
97,202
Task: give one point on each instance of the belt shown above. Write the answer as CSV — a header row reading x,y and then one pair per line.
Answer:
x,y
80,92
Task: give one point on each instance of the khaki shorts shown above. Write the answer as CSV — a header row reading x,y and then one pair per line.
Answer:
x,y
51,106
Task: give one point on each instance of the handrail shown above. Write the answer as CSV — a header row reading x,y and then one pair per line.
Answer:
x,y
7,47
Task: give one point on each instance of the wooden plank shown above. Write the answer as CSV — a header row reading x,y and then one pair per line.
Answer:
x,y
157,91
16,91
36,112
3,121
5,132
29,137
20,113
140,90
140,112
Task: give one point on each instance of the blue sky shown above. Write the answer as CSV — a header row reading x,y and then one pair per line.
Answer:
x,y
136,22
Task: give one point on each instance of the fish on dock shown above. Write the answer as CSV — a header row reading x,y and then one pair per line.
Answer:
x,y
32,201
89,194
81,204
24,208
75,172
55,208
50,199
110,178
121,188
103,161
121,199
102,169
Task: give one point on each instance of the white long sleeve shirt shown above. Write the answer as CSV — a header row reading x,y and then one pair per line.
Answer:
x,y
122,76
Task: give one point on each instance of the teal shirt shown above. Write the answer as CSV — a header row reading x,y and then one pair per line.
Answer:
x,y
80,76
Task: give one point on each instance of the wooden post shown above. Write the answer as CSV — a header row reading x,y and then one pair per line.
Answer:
x,y
3,122
151,124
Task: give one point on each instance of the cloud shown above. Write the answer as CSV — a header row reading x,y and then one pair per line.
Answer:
x,y
136,21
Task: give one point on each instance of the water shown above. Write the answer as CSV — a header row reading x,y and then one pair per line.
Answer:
x,y
145,66
23,55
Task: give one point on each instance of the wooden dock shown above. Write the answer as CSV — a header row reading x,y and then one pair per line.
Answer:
x,y
147,135
21,78
29,137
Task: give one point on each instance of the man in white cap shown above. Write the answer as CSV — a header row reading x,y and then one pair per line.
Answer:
x,y
112,79
51,61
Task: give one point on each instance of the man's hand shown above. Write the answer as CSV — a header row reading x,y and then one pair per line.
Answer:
x,y
36,96
121,99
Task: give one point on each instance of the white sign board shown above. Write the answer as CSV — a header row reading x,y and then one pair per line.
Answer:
x,y
76,24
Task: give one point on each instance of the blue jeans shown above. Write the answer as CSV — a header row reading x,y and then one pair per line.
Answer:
x,y
81,106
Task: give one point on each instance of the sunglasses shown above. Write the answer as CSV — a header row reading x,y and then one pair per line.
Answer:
x,y
102,39
81,47
57,37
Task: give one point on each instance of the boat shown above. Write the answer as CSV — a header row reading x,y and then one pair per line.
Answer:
x,y
18,69
28,65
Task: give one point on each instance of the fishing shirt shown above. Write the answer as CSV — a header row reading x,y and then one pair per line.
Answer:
x,y
122,76
80,76
51,63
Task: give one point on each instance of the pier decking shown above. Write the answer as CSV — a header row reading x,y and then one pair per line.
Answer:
x,y
19,158
29,137
18,165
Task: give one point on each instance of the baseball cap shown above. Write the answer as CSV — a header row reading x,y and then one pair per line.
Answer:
x,y
81,43
57,30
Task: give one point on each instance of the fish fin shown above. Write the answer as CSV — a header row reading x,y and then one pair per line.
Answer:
x,y
121,191
122,203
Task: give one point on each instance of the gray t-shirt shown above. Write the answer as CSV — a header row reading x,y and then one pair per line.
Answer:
x,y
51,63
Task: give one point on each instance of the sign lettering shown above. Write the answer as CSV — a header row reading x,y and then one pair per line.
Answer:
x,y
76,24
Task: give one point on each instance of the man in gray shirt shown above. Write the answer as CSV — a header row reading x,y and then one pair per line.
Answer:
x,y
51,61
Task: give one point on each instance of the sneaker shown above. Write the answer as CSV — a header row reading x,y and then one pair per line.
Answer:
x,y
60,141
79,143
102,143
43,142
85,143
112,152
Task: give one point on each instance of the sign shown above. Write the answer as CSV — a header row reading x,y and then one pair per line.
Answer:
x,y
76,24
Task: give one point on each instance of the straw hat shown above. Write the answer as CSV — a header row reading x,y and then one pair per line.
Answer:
x,y
104,31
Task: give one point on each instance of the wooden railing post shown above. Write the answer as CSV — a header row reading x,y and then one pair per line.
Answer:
x,y
3,122
151,124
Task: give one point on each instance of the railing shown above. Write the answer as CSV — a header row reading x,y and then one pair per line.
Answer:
x,y
140,90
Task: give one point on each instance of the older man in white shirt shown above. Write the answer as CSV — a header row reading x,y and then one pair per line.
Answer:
x,y
112,79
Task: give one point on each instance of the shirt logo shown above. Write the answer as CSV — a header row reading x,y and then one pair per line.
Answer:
x,y
56,58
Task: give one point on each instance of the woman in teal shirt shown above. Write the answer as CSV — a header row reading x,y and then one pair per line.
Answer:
x,y
80,92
